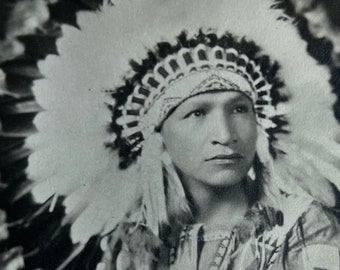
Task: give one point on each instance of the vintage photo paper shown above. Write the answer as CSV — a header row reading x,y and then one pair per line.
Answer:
x,y
157,134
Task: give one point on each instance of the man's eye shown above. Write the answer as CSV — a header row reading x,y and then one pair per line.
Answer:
x,y
241,109
196,113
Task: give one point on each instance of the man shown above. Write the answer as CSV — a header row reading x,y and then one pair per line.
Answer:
x,y
200,118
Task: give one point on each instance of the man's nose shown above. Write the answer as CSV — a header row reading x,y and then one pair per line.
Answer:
x,y
222,130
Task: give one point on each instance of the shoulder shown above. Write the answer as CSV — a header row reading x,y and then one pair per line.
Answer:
x,y
314,240
317,225
130,247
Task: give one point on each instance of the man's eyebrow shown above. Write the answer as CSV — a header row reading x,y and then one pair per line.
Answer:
x,y
196,103
237,98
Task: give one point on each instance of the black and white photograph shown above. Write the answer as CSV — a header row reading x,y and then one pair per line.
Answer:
x,y
170,134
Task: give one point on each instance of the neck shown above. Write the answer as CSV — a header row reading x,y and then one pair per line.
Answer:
x,y
217,206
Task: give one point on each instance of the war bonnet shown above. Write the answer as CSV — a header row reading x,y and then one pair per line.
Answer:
x,y
289,89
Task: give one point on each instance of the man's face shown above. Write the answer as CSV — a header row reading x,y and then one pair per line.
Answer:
x,y
211,138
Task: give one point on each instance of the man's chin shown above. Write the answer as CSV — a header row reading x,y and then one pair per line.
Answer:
x,y
224,180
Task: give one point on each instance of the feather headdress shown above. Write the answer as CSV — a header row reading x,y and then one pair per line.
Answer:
x,y
70,158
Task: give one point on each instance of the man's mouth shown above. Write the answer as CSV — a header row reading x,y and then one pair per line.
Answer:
x,y
226,159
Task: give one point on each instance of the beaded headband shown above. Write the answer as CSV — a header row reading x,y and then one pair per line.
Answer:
x,y
189,72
